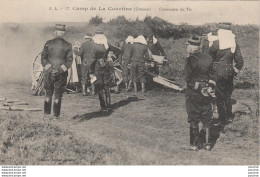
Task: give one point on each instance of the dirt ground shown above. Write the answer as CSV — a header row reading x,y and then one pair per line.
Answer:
x,y
140,130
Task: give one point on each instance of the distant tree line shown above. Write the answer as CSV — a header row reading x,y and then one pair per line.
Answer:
x,y
162,28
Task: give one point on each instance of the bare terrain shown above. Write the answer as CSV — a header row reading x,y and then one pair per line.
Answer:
x,y
140,130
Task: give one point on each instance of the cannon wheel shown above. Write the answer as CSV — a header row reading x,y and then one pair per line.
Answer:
x,y
37,76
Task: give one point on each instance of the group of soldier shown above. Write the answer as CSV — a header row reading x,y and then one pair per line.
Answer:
x,y
209,72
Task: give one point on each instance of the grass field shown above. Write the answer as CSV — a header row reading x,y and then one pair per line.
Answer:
x,y
142,130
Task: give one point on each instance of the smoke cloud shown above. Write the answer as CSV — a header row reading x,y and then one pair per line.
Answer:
x,y
20,44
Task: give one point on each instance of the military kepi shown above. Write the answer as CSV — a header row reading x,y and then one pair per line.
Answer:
x,y
194,41
88,35
60,27
99,31
225,25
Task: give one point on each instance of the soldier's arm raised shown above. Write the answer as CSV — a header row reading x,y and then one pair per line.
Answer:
x,y
239,61
45,59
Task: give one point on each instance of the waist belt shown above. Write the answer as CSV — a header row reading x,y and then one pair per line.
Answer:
x,y
56,61
202,83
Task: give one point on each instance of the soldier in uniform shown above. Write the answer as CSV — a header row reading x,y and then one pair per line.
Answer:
x,y
201,80
225,51
154,46
56,59
86,54
139,56
125,59
102,69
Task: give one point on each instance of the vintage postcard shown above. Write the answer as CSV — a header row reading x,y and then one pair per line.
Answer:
x,y
129,82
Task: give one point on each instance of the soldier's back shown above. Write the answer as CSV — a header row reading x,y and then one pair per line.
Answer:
x,y
87,50
139,51
58,47
201,63
127,51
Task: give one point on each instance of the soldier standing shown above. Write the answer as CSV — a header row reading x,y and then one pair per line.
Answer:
x,y
139,56
86,54
56,59
201,80
225,51
125,59
102,69
154,46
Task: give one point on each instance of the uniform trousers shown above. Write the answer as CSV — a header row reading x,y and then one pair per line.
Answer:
x,y
85,78
104,78
126,73
199,108
138,71
224,89
55,85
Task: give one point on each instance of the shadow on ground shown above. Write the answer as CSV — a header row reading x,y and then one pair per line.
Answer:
x,y
100,114
214,135
244,85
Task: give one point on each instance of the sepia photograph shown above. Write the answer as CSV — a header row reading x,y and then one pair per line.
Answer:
x,y
129,83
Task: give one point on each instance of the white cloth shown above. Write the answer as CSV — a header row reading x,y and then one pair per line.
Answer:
x,y
212,38
73,73
154,40
140,39
87,37
129,39
100,39
226,40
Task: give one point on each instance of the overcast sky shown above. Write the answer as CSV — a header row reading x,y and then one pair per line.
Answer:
x,y
196,12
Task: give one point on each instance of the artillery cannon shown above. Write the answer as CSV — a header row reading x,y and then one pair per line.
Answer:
x,y
152,70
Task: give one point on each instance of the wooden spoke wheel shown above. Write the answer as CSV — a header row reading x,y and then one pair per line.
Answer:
x,y
37,76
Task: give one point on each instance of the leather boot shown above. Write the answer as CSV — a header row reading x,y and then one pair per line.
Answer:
x,y
126,87
129,85
88,90
56,107
93,89
194,134
135,87
108,99
84,89
102,99
47,106
143,88
207,145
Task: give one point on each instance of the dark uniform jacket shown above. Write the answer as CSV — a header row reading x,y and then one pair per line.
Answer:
x,y
199,68
126,52
57,52
99,51
140,52
224,59
156,48
85,51
204,44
